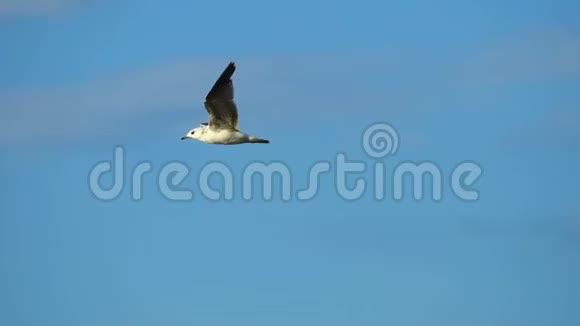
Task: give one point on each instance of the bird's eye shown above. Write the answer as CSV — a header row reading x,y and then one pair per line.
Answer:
x,y
192,132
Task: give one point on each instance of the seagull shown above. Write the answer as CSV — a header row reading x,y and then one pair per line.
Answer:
x,y
222,127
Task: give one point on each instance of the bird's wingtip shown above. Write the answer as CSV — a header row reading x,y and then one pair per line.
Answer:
x,y
231,67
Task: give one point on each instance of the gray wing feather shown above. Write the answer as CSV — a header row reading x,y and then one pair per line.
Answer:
x,y
219,102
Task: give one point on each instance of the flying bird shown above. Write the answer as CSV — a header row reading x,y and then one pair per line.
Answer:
x,y
222,125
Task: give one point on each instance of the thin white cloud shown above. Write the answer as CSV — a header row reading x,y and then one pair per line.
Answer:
x,y
100,107
537,55
401,84
113,104
21,8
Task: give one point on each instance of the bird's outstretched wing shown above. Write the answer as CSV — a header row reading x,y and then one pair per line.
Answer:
x,y
219,102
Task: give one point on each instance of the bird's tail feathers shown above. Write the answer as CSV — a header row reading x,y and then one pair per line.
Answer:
x,y
258,140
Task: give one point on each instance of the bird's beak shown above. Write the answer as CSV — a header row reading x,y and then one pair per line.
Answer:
x,y
182,138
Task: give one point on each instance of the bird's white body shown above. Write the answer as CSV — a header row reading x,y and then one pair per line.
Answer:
x,y
209,135
221,136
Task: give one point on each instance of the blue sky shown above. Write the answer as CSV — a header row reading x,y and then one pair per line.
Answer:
x,y
493,82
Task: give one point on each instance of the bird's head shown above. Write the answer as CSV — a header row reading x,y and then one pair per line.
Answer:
x,y
194,133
